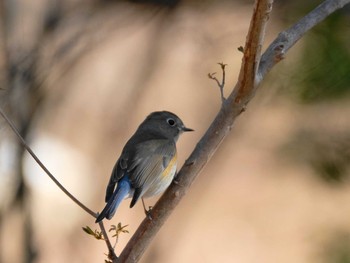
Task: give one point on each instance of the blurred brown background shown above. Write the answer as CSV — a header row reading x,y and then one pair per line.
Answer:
x,y
77,77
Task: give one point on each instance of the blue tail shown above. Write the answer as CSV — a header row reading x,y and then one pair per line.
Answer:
x,y
122,191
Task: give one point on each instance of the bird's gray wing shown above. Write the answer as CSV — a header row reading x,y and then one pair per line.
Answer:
x,y
150,160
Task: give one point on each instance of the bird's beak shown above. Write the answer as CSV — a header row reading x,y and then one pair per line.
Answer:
x,y
185,129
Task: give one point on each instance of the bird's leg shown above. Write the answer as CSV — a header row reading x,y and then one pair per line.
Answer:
x,y
147,212
176,181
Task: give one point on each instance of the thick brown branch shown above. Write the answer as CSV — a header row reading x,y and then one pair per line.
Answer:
x,y
252,51
207,146
250,76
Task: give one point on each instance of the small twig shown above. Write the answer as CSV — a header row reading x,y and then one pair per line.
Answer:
x,y
240,49
118,230
111,254
102,235
30,151
222,84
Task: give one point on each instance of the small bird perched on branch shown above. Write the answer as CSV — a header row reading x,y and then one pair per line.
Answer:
x,y
147,164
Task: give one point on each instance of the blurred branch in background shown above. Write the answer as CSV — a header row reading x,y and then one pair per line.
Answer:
x,y
21,97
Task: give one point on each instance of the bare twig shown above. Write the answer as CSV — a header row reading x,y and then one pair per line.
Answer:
x,y
222,84
111,254
30,151
118,230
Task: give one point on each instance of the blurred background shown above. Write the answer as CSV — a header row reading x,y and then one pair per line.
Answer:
x,y
78,76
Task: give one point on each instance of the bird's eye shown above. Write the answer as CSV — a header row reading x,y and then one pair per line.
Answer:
x,y
170,121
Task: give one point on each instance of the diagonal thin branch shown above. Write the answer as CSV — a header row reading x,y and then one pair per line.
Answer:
x,y
112,254
30,151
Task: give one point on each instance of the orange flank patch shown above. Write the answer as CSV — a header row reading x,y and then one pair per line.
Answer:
x,y
171,168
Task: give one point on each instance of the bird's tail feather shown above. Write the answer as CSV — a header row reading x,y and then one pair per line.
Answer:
x,y
122,191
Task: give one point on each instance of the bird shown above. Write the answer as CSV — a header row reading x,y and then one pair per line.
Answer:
x,y
147,164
